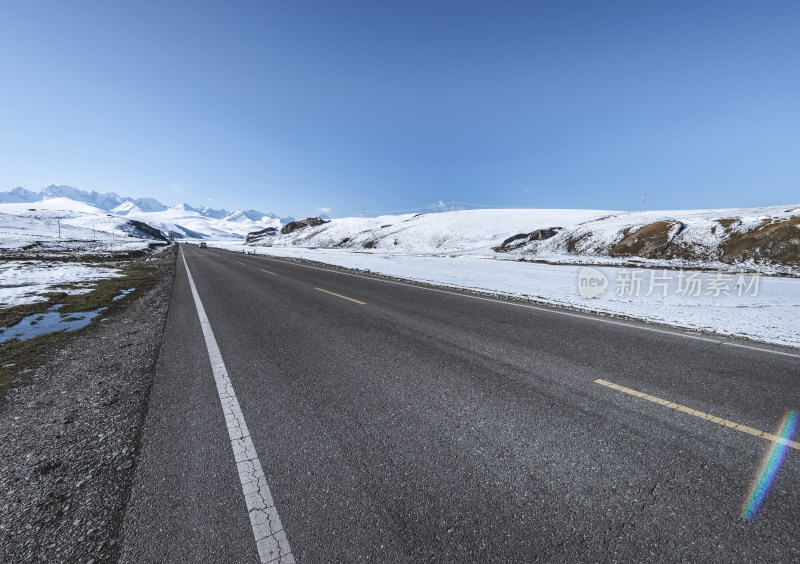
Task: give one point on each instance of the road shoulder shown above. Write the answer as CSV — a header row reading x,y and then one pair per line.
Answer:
x,y
70,435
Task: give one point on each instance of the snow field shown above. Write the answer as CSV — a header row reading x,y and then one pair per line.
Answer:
x,y
769,316
26,282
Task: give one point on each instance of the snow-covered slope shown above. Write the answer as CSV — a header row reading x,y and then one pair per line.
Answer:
x,y
125,208
216,214
748,237
62,219
18,195
103,201
181,221
474,231
253,216
765,238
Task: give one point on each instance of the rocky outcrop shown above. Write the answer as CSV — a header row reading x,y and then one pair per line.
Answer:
x,y
518,240
256,236
649,241
264,235
773,240
302,224
141,229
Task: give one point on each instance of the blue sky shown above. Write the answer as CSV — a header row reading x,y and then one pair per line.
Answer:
x,y
295,106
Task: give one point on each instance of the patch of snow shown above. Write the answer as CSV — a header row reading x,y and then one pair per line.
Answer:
x,y
462,232
183,220
123,293
125,208
26,282
186,222
580,236
770,316
61,221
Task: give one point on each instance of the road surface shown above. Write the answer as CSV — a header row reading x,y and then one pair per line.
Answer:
x,y
396,423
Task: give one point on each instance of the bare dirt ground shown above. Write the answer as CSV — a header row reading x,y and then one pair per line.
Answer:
x,y
70,423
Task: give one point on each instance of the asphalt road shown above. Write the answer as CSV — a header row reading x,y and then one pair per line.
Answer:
x,y
413,425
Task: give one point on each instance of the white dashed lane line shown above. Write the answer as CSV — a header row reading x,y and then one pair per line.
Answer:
x,y
551,310
270,537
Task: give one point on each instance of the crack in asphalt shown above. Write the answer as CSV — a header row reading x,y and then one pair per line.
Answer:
x,y
270,537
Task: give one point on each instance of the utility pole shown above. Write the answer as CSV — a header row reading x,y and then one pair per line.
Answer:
x,y
644,202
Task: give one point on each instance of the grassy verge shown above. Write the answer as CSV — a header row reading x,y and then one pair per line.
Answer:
x,y
20,357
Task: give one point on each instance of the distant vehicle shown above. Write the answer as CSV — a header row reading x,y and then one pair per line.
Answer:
x,y
203,245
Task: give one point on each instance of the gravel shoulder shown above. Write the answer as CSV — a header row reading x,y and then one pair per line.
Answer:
x,y
69,435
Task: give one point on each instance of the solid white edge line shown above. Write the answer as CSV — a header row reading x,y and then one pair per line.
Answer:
x,y
271,541
743,346
554,310
537,308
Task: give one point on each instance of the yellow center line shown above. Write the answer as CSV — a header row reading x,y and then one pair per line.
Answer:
x,y
267,271
700,414
340,296
243,264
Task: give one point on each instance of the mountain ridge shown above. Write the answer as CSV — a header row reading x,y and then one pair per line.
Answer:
x,y
126,205
179,221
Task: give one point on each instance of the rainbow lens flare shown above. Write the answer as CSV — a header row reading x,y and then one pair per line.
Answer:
x,y
770,463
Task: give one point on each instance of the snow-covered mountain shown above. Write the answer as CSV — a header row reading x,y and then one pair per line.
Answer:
x,y
216,214
61,220
765,239
250,215
245,216
184,207
103,201
181,221
125,208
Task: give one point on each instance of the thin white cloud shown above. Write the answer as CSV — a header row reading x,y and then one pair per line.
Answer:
x,y
324,210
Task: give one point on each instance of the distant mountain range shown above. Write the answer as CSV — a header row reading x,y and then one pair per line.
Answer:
x,y
104,201
120,205
178,221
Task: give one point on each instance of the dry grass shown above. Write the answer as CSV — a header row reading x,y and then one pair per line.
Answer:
x,y
648,241
776,241
727,222
19,356
572,241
